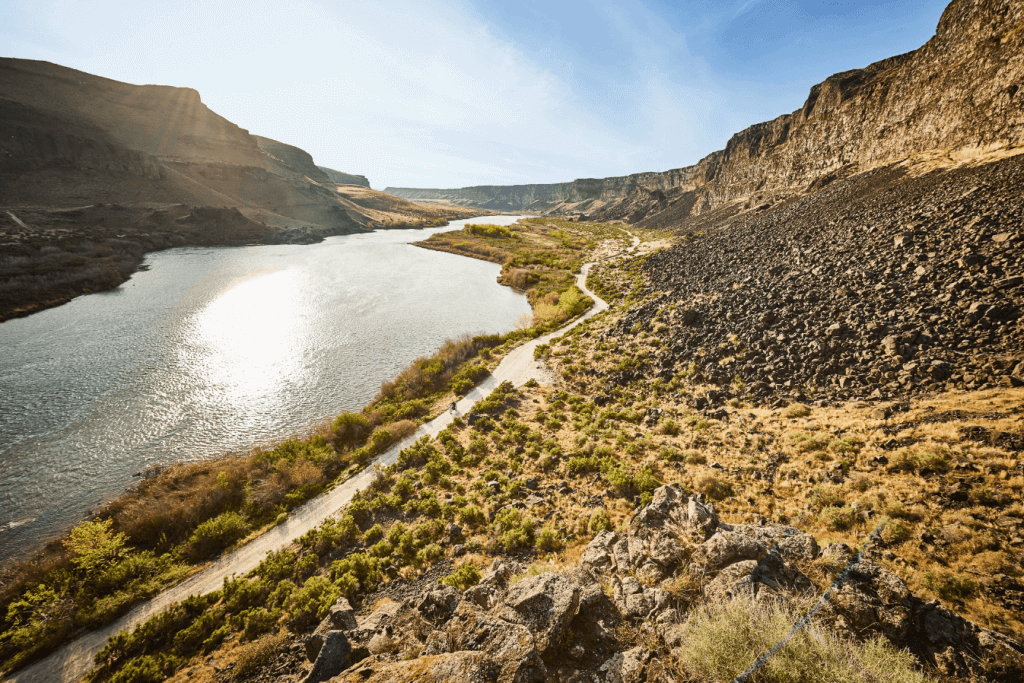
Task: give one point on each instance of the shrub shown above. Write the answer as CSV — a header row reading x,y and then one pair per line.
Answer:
x,y
908,460
714,487
805,443
93,545
145,669
796,410
471,516
827,496
462,578
515,531
350,429
599,522
417,454
723,639
430,553
838,518
310,603
257,655
498,231
260,621
548,540
467,377
668,427
216,534
844,446
893,532
950,587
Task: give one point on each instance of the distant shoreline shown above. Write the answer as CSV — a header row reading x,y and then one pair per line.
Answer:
x,y
55,272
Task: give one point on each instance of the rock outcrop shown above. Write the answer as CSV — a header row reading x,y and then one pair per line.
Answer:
x,y
344,178
570,625
957,93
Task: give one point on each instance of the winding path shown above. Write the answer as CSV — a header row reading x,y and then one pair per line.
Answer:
x,y
74,660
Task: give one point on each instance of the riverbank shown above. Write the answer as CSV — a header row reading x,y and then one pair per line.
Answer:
x,y
541,472
175,520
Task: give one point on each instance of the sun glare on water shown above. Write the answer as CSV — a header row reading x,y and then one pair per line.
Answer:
x,y
249,339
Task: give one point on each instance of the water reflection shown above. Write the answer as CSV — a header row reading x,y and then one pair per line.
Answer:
x,y
249,339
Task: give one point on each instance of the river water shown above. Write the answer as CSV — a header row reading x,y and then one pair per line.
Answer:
x,y
212,351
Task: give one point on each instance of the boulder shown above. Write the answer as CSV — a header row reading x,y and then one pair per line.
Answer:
x,y
545,604
625,667
661,535
436,606
470,667
342,616
868,600
333,658
768,576
509,645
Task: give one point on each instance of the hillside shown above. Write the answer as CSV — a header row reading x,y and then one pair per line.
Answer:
x,y
789,448
96,173
956,97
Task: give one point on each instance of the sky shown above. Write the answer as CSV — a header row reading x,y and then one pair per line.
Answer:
x,y
454,93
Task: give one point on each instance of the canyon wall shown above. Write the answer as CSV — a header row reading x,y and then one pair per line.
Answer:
x,y
958,92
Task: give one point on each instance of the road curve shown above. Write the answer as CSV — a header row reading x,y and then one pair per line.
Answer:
x,y
74,660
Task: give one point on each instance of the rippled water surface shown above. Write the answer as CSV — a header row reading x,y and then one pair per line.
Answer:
x,y
215,350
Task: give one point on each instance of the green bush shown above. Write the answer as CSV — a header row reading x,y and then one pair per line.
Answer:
x,y
471,516
417,454
497,231
548,540
92,545
216,534
514,530
838,518
145,669
260,621
310,604
950,587
467,377
599,522
462,578
893,532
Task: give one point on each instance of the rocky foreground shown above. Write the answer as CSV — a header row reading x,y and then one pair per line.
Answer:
x,y
620,613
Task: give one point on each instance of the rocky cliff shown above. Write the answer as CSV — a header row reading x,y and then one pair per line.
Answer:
x,y
344,178
957,94
68,138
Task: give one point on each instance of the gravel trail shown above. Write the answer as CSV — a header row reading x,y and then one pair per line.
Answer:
x,y
74,660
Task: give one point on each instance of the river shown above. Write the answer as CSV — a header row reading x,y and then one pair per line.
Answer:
x,y
215,350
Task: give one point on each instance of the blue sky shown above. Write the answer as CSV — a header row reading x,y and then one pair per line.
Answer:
x,y
450,93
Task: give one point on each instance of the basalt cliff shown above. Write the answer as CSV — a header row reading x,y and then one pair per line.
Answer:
x,y
956,97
